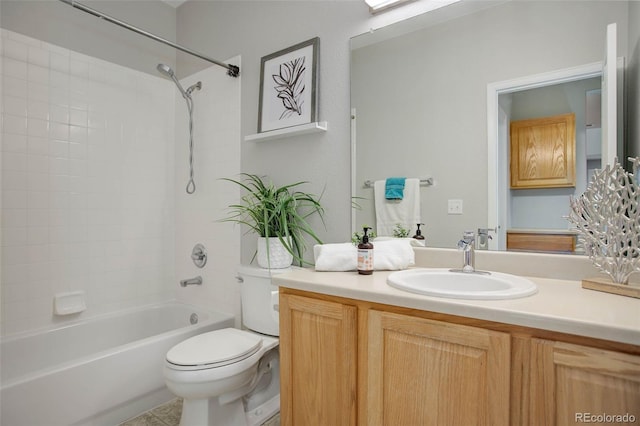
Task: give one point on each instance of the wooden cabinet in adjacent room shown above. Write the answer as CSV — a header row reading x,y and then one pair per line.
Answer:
x,y
543,152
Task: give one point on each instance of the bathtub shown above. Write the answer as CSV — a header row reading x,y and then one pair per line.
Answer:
x,y
98,371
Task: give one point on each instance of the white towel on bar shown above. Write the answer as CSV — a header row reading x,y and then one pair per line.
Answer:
x,y
393,254
406,212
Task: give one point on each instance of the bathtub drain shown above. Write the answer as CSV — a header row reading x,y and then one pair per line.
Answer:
x,y
193,318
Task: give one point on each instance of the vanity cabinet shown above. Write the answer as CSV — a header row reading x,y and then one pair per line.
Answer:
x,y
318,349
570,382
425,372
352,362
543,152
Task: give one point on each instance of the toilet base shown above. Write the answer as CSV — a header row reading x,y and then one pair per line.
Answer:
x,y
199,412
264,412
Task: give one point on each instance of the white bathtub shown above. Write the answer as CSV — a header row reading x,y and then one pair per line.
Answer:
x,y
95,372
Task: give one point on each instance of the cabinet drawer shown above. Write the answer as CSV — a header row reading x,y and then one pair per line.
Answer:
x,y
533,241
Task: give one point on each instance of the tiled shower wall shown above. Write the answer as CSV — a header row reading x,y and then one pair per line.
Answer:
x,y
87,183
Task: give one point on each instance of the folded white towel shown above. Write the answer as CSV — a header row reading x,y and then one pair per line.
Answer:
x,y
393,254
336,257
406,212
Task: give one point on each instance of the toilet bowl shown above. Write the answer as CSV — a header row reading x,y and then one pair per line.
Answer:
x,y
231,377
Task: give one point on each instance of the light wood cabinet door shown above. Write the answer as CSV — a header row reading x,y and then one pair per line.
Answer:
x,y
572,384
318,356
543,152
425,372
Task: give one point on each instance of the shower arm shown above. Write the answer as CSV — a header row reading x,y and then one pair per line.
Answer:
x,y
232,70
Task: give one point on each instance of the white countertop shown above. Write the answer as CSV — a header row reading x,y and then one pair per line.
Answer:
x,y
560,305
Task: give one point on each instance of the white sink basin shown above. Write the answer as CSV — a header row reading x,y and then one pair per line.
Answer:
x,y
462,285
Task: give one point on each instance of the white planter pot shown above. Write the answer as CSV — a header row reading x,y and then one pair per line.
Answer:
x,y
278,257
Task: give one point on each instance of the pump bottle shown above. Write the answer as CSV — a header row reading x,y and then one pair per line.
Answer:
x,y
419,235
365,254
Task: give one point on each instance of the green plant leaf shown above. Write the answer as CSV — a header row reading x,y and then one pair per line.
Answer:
x,y
280,212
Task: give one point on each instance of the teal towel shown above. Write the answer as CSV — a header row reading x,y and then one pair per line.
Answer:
x,y
394,188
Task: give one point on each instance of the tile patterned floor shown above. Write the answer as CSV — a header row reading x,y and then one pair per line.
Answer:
x,y
169,415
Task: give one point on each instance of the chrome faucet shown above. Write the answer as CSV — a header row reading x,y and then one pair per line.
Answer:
x,y
191,281
482,240
466,245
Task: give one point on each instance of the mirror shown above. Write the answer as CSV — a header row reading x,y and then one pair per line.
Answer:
x,y
419,95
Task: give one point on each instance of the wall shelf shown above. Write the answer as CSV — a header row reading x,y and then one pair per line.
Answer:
x,y
318,126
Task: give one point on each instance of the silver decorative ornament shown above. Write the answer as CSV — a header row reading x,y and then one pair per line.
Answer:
x,y
607,217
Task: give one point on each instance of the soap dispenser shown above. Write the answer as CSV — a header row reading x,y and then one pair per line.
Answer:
x,y
419,235
365,254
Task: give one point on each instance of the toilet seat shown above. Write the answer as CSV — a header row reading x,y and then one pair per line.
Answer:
x,y
213,349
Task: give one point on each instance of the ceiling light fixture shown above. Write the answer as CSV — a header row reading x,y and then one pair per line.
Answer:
x,y
376,6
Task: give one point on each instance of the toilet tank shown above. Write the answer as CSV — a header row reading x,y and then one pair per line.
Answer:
x,y
258,297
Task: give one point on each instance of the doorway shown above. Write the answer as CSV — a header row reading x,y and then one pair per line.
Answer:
x,y
498,128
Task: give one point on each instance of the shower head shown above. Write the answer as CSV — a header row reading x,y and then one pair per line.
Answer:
x,y
168,72
165,69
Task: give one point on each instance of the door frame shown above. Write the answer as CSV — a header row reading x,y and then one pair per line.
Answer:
x,y
497,213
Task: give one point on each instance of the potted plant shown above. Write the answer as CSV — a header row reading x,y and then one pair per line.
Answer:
x,y
279,217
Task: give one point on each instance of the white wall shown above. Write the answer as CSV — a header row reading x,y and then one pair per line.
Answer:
x,y
87,183
216,155
256,29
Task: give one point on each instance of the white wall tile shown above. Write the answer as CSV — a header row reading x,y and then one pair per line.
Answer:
x,y
12,180
38,91
14,143
15,106
37,74
14,124
38,56
37,128
14,161
38,109
37,200
14,200
59,113
14,68
59,62
88,183
12,86
15,50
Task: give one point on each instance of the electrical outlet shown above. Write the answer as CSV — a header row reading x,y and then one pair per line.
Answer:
x,y
454,207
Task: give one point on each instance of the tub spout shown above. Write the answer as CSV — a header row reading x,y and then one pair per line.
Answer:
x,y
191,281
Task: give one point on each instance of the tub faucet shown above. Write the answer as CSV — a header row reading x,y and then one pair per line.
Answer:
x,y
191,281
466,245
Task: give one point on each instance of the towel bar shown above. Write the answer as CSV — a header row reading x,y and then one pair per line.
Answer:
x,y
423,182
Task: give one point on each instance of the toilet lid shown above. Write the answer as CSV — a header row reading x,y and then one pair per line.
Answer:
x,y
220,347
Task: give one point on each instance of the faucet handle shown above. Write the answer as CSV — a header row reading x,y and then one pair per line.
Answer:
x,y
484,233
468,237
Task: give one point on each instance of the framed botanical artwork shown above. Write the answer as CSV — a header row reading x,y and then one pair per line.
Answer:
x,y
289,87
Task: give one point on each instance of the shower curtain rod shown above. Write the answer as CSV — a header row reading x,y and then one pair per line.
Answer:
x,y
232,70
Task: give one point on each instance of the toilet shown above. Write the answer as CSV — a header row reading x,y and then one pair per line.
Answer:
x,y
231,377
